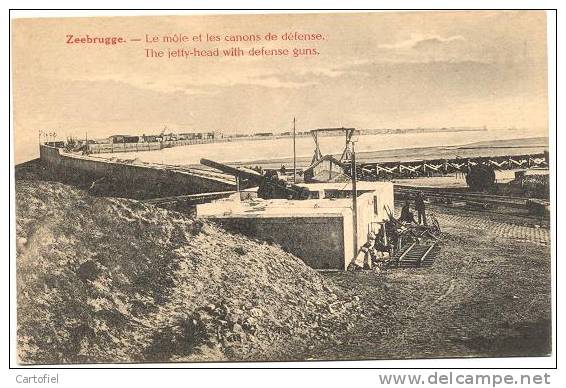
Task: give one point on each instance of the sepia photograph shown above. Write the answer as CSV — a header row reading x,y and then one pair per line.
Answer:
x,y
282,187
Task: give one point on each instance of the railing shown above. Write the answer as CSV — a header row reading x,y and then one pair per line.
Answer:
x,y
388,170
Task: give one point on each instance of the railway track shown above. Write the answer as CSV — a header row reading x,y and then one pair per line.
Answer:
x,y
476,199
515,210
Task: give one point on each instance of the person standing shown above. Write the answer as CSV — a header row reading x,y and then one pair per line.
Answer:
x,y
406,214
420,207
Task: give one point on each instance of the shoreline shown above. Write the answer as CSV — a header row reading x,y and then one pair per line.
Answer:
x,y
502,147
485,148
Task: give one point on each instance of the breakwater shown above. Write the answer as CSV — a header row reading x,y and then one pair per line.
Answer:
x,y
133,177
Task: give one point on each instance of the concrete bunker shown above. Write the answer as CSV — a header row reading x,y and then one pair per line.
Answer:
x,y
318,230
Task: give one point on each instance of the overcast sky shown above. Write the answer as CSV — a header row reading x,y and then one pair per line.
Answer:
x,y
374,70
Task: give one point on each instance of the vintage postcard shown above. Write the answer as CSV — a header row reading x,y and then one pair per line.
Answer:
x,y
287,186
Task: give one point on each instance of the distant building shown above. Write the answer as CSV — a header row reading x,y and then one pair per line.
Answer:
x,y
169,136
151,138
198,136
189,136
58,144
83,142
124,139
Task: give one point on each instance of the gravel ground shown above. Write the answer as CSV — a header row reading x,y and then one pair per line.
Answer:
x,y
488,294
115,280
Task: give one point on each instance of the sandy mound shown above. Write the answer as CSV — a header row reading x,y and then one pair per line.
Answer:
x,y
115,280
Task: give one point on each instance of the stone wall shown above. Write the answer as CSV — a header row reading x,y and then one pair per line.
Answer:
x,y
134,176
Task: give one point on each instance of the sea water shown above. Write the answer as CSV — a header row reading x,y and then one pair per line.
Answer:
x,y
273,148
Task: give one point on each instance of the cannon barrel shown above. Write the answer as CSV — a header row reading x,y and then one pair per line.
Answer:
x,y
269,187
251,175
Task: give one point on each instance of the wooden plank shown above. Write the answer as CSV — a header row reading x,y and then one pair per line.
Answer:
x,y
406,252
426,253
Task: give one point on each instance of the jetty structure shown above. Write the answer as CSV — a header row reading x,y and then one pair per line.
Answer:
x,y
324,219
172,180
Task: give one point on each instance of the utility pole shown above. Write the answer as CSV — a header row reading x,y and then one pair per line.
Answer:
x,y
354,199
294,153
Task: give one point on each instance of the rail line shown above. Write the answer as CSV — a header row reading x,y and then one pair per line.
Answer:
x,y
477,198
